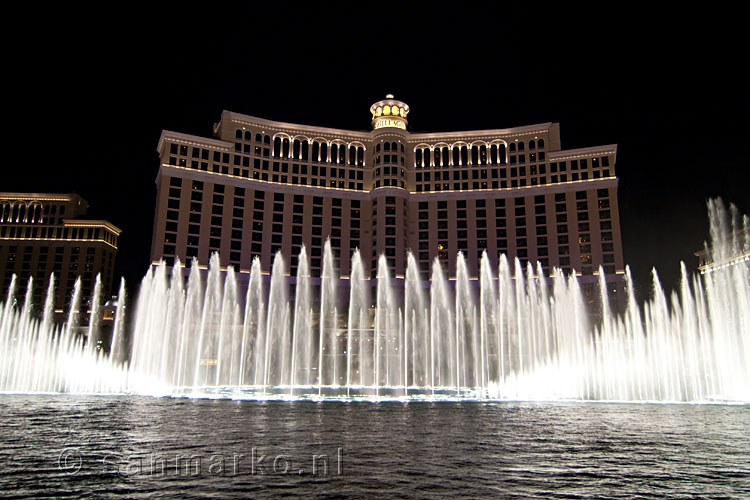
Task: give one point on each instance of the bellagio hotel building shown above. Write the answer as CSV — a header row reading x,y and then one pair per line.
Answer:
x,y
259,186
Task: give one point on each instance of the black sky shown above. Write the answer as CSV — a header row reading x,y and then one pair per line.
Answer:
x,y
90,91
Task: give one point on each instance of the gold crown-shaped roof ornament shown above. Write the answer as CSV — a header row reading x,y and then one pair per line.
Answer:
x,y
389,112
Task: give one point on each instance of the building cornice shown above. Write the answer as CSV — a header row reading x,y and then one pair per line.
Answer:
x,y
192,140
36,196
582,152
313,131
500,133
92,223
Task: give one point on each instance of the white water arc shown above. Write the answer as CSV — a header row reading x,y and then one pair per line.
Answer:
x,y
510,334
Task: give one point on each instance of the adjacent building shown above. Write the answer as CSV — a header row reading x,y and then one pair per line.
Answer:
x,y
43,235
259,186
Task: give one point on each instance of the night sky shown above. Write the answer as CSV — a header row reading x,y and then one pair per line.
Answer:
x,y
89,92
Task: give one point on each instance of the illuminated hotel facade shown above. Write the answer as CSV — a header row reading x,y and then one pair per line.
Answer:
x,y
41,235
260,186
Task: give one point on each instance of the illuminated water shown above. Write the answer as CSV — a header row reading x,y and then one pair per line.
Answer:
x,y
128,447
516,336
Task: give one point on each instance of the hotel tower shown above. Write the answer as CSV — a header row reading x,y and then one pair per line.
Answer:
x,y
259,186
44,235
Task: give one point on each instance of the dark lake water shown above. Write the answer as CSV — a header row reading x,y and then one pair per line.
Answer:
x,y
137,447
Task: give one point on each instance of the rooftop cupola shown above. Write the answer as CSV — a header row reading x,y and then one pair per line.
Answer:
x,y
389,113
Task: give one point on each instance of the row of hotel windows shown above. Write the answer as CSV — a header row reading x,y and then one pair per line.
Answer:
x,y
300,149
480,214
441,156
424,157
318,153
394,159
58,233
353,154
217,211
517,175
521,246
29,213
484,154
64,266
554,166
261,168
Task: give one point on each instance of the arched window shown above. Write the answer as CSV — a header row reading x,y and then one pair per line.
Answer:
x,y
305,149
248,135
483,155
360,156
377,148
324,152
394,147
474,155
276,147
532,144
387,146
295,149
285,146
464,155
316,151
502,154
418,157
238,133
352,155
512,147
334,152
540,143
446,160
456,155
267,139
521,146
258,138
493,154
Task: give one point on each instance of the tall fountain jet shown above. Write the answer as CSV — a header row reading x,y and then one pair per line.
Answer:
x,y
518,335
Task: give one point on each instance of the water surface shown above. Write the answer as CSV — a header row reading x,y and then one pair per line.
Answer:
x,y
138,447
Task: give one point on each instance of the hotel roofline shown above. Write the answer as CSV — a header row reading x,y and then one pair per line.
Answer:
x,y
36,196
190,139
92,223
243,119
564,154
412,138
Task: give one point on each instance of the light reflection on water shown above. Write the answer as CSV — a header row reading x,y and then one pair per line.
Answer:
x,y
414,450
